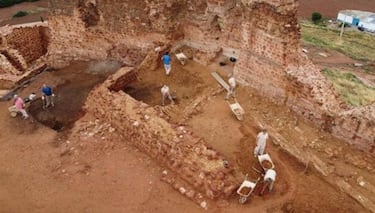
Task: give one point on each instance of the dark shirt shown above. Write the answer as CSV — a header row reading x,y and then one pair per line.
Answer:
x,y
47,91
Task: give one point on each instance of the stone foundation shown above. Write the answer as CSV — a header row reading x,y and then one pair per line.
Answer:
x,y
21,48
200,168
263,35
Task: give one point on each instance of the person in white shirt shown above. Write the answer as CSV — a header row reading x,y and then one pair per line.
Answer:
x,y
166,94
232,87
268,180
261,143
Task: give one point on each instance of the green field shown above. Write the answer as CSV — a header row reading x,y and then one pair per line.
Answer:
x,y
355,44
351,89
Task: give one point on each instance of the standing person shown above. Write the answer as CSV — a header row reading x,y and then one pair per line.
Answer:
x,y
166,94
268,180
232,87
47,95
261,143
20,106
167,62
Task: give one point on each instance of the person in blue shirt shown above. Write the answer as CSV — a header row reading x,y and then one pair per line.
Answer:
x,y
47,96
167,62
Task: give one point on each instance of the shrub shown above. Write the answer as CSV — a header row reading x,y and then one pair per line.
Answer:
x,y
316,17
20,14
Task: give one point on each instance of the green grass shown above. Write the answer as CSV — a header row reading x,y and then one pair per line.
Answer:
x,y
351,89
357,45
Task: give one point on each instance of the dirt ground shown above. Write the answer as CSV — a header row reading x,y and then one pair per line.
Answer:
x,y
330,8
37,173
339,61
37,170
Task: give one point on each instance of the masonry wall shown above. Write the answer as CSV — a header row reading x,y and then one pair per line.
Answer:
x,y
31,42
175,147
21,48
263,35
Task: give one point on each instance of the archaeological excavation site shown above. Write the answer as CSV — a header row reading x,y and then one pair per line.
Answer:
x,y
109,144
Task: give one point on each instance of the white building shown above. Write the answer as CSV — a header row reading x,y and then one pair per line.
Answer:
x,y
358,18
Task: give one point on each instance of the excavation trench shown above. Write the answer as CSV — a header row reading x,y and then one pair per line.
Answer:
x,y
71,86
183,82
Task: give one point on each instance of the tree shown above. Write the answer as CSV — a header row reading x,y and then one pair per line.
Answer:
x,y
316,17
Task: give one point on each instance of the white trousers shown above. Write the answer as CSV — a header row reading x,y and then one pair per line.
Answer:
x,y
231,91
259,150
167,68
165,96
24,113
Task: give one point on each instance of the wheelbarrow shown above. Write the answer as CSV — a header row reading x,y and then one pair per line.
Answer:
x,y
237,110
246,189
265,162
13,111
181,57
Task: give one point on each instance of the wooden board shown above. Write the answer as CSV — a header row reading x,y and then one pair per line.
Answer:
x,y
220,80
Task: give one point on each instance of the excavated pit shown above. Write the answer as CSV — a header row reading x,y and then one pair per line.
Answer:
x,y
71,86
184,81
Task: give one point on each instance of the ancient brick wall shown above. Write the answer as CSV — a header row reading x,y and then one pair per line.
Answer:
x,y
263,35
21,48
29,41
175,147
71,40
357,126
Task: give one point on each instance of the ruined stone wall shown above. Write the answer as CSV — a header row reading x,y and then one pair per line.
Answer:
x,y
21,48
30,42
120,30
71,40
175,147
263,35
357,126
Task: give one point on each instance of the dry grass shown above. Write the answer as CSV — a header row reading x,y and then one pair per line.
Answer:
x,y
355,44
352,90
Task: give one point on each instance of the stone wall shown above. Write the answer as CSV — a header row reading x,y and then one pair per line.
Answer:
x,y
71,40
31,42
263,35
21,48
175,147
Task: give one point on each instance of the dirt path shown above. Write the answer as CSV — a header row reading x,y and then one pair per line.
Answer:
x,y
338,61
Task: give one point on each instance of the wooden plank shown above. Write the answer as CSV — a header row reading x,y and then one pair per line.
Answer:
x,y
220,80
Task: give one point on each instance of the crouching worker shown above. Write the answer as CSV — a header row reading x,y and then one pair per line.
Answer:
x,y
268,180
19,104
166,94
